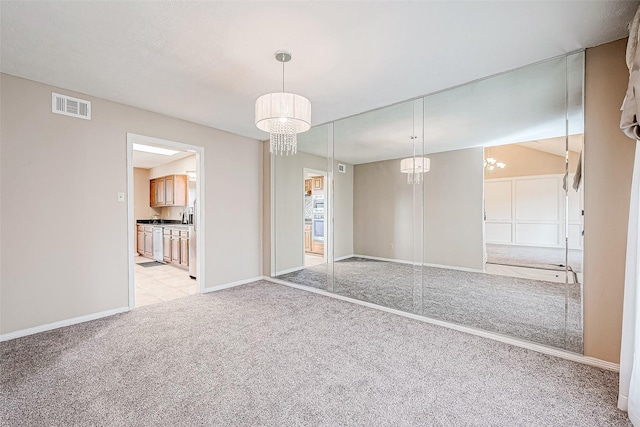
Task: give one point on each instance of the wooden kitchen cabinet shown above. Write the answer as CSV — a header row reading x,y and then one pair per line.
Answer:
x,y
168,191
140,240
175,247
166,245
307,238
184,249
318,182
148,242
153,189
175,244
160,190
317,247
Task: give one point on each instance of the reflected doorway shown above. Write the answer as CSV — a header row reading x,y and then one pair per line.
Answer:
x,y
315,226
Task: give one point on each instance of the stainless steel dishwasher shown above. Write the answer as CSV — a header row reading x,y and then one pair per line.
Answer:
x,y
158,250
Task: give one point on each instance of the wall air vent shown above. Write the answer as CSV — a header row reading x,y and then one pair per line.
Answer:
x,y
69,106
342,168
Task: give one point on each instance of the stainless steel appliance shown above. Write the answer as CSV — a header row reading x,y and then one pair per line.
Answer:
x,y
318,204
318,227
317,222
158,249
193,255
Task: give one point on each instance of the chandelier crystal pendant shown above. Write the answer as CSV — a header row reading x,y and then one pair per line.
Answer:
x,y
415,167
284,115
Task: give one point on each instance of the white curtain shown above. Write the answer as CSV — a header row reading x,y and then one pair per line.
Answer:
x,y
629,393
629,397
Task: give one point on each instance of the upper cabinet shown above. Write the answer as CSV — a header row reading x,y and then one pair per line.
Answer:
x,y
168,191
318,183
153,191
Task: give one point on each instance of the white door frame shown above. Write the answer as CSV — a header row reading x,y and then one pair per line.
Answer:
x,y
199,213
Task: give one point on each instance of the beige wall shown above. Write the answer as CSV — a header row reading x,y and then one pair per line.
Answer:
x,y
384,211
141,199
608,156
453,213
64,235
525,161
343,210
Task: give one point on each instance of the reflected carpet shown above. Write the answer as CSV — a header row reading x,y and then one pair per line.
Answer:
x,y
523,308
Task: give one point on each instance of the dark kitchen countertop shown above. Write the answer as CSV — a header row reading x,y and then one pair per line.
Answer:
x,y
159,221
173,223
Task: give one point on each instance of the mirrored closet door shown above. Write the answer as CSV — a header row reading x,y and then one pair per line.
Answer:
x,y
464,206
301,196
378,206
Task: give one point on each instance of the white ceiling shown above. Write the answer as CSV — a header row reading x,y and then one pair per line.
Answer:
x,y
207,62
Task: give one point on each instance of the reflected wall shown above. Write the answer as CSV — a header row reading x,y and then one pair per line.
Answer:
x,y
383,146
434,242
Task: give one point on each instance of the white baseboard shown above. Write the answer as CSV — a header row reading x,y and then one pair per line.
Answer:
x,y
290,270
231,284
377,258
61,324
623,402
453,267
426,264
563,354
344,257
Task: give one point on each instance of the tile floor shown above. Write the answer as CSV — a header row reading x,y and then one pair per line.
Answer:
x,y
160,283
311,259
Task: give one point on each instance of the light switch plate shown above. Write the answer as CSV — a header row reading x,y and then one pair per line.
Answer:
x,y
120,196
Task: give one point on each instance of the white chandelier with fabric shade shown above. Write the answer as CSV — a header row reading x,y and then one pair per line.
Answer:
x,y
284,115
414,167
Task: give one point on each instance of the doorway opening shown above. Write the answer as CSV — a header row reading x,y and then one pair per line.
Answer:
x,y
315,225
165,195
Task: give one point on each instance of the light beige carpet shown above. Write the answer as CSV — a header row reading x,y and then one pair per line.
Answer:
x,y
268,355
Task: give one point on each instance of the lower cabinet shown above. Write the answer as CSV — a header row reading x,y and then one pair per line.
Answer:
x,y
317,247
140,241
176,247
145,241
184,249
166,245
307,238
